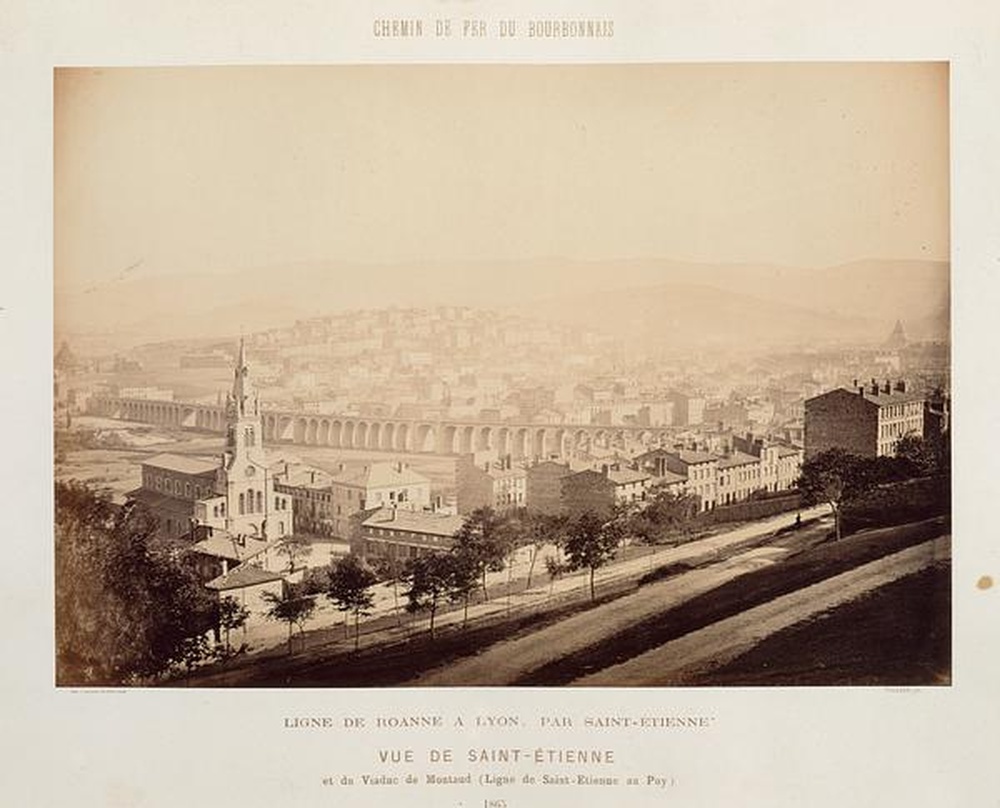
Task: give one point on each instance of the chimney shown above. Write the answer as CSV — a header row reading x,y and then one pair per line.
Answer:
x,y
340,467
887,387
604,469
874,388
312,476
901,386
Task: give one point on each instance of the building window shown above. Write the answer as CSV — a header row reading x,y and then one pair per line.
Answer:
x,y
242,504
260,501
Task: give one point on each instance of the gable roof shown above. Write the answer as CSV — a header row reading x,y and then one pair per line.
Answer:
x,y
380,475
737,459
244,575
434,524
182,464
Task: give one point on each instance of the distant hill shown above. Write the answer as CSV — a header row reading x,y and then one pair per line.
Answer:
x,y
741,301
690,316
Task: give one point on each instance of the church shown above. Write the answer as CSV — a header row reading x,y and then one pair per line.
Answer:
x,y
230,502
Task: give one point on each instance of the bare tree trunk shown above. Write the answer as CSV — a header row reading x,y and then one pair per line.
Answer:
x,y
395,600
357,629
531,565
591,583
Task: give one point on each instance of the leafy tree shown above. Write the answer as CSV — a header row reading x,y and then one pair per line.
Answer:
x,y
555,569
430,578
485,538
591,542
194,650
666,513
836,477
125,605
925,456
232,615
463,578
315,580
350,589
290,607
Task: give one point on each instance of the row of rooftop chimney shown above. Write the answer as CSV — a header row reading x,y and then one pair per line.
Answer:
x,y
887,388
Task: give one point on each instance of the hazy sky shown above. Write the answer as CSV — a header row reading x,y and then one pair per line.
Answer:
x,y
214,169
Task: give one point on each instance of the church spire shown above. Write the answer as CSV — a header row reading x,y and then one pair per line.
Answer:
x,y
241,384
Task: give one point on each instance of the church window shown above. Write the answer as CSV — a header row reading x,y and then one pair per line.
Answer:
x,y
260,501
242,505
249,500
281,528
277,503
248,434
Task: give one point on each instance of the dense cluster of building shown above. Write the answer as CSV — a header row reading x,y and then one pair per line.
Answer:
x,y
234,515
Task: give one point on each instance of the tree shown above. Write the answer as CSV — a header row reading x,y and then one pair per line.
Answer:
x,y
539,529
925,456
666,513
193,651
556,569
390,570
430,578
463,578
232,615
125,605
350,589
484,537
835,477
295,548
591,542
290,607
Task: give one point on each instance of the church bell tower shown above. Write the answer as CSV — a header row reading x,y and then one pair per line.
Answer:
x,y
244,478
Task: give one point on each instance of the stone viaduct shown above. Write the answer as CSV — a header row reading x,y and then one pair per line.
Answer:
x,y
520,440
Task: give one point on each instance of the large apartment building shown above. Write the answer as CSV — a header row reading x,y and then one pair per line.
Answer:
x,y
867,421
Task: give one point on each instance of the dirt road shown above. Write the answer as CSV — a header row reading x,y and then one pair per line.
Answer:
x,y
679,660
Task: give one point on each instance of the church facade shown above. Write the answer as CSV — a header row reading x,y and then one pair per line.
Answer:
x,y
235,494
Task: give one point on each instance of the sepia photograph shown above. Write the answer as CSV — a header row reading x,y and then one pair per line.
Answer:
x,y
530,375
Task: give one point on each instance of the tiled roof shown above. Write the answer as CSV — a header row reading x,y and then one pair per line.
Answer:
x,y
162,503
224,545
692,457
669,478
436,524
182,464
626,476
737,459
303,477
380,475
243,575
